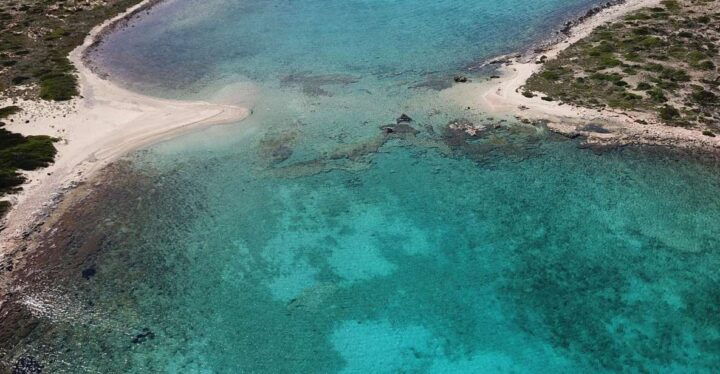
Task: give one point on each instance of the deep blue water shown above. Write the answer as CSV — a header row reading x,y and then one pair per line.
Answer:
x,y
306,239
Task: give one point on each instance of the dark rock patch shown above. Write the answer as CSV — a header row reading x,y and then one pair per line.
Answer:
x,y
277,148
313,84
437,83
89,273
593,127
460,79
568,26
402,128
27,365
143,336
403,118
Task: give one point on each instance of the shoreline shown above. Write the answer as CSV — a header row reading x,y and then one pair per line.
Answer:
x,y
103,124
503,96
123,121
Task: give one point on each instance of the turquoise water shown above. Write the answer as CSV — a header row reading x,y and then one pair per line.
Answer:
x,y
307,239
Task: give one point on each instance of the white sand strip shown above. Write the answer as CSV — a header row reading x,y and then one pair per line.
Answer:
x,y
106,123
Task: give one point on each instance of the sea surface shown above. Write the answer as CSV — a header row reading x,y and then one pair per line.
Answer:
x,y
328,233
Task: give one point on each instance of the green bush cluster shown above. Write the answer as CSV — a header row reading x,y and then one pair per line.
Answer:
x,y
18,152
8,111
40,58
58,87
671,51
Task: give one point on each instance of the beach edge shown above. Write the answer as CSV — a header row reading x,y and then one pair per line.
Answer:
x,y
503,96
106,122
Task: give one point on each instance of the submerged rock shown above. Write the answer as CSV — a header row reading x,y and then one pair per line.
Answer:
x,y
27,365
89,273
458,131
277,148
143,336
402,128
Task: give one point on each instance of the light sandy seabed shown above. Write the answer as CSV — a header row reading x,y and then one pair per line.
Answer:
x,y
105,123
109,121
503,97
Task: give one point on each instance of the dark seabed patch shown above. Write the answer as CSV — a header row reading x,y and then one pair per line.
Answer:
x,y
466,259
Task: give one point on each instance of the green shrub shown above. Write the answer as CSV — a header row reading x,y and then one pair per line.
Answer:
x,y
651,42
625,100
8,111
657,95
704,97
706,65
675,75
671,5
608,60
20,80
637,16
4,208
685,34
58,87
643,86
668,113
22,152
550,75
656,68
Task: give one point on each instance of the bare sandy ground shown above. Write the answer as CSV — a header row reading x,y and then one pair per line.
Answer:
x,y
503,97
105,123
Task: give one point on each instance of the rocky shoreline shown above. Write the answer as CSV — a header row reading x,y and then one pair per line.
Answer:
x,y
506,96
568,26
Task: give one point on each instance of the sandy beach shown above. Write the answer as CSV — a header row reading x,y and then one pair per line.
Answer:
x,y
106,122
503,97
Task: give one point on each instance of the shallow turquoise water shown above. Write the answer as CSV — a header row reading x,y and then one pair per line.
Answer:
x,y
306,239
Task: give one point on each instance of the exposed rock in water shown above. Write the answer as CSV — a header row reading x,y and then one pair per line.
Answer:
x,y
466,126
460,79
403,118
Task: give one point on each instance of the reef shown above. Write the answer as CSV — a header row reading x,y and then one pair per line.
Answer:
x,y
459,138
315,84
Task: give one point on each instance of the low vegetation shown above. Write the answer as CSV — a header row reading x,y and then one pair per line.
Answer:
x,y
18,152
36,37
662,60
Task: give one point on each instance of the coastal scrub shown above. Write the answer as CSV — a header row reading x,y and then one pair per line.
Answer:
x,y
36,36
661,60
18,152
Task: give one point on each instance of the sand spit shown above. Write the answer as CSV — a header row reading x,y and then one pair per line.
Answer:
x,y
106,122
